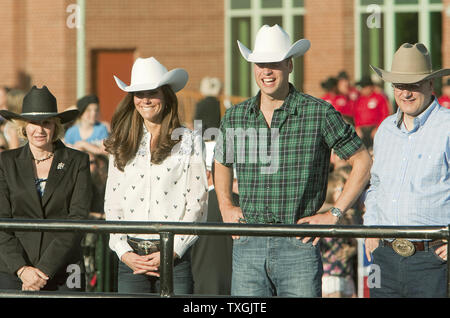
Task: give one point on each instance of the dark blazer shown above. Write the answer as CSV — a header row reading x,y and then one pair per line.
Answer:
x,y
211,255
67,196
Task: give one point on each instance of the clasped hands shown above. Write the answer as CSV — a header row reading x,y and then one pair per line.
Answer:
x,y
33,279
144,264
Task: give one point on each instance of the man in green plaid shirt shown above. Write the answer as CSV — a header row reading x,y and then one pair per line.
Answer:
x,y
280,143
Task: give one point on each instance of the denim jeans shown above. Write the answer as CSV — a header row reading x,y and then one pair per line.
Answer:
x,y
128,283
276,266
423,274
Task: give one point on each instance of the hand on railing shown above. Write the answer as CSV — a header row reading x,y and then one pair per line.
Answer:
x,y
441,251
371,244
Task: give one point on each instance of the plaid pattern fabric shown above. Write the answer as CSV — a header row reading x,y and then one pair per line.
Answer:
x,y
282,171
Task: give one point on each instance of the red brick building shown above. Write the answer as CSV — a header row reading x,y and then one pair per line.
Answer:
x,y
39,40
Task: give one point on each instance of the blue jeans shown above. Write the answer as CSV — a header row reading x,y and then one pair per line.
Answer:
x,y
423,274
276,266
128,283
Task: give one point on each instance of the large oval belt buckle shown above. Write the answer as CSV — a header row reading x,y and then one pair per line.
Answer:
x,y
403,247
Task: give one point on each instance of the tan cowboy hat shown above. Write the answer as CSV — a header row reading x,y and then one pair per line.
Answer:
x,y
411,64
272,44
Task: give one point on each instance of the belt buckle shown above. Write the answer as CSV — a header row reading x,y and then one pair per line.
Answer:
x,y
403,247
146,246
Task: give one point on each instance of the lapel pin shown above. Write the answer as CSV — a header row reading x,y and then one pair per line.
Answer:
x,y
60,166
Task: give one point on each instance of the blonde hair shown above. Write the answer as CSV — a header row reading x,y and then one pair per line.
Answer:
x,y
14,99
57,134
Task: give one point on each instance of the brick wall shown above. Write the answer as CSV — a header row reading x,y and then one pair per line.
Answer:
x,y
181,33
329,25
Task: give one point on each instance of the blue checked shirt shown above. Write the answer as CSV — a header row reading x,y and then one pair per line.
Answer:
x,y
410,177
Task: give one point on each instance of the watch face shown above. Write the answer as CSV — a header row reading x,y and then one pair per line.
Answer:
x,y
336,212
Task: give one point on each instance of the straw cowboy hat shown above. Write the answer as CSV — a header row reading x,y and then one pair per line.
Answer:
x,y
39,104
411,64
148,74
272,44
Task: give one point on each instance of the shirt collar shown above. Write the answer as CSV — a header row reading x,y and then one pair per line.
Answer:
x,y
286,106
419,120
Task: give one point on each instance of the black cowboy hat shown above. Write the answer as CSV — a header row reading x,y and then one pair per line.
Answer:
x,y
366,80
39,104
329,83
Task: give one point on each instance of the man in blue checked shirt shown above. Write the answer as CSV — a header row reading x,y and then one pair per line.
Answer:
x,y
410,179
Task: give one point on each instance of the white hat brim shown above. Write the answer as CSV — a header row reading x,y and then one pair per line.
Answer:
x,y
176,79
297,49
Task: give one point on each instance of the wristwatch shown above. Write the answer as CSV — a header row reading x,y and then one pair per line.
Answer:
x,y
336,212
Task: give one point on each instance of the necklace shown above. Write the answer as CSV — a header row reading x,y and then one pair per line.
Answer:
x,y
38,161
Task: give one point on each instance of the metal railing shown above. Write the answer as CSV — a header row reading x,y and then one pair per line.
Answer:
x,y
167,230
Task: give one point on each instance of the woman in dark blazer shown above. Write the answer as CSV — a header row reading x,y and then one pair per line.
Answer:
x,y
42,180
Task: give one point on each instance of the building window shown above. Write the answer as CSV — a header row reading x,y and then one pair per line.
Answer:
x,y
243,20
384,25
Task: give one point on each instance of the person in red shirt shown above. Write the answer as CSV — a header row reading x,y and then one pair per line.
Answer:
x,y
444,100
329,86
346,97
370,109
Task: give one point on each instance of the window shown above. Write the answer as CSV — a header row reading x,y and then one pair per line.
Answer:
x,y
400,21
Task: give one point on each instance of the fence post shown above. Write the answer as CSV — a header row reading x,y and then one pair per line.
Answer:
x,y
166,265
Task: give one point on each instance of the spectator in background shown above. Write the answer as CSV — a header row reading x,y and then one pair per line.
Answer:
x,y
338,254
346,97
4,98
88,133
153,176
444,100
370,109
208,109
330,88
212,254
14,100
43,179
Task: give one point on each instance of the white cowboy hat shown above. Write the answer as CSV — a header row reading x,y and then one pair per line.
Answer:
x,y
210,86
272,44
148,74
411,64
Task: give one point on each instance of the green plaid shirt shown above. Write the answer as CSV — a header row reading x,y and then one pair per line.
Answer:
x,y
282,171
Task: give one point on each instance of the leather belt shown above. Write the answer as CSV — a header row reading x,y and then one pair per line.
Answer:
x,y
407,248
143,247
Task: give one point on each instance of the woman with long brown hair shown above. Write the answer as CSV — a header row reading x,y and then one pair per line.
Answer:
x,y
156,173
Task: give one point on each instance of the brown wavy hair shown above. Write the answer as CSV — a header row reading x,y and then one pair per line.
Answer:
x,y
127,130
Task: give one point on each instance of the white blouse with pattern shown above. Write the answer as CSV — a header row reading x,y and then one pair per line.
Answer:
x,y
174,191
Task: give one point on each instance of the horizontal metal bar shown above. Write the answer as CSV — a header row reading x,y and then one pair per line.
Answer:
x,y
95,226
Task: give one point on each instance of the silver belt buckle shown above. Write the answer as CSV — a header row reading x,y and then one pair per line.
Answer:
x,y
403,247
146,246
